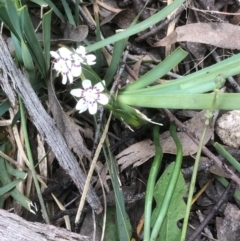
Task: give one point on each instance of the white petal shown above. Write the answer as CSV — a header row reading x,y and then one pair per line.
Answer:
x,y
103,99
76,70
92,108
99,87
55,54
64,79
91,59
86,84
81,50
65,53
82,105
76,92
70,77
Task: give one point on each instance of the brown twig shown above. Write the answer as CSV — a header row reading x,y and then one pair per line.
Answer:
x,y
227,193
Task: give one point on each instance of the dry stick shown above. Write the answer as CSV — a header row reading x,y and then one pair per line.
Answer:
x,y
227,193
205,150
89,176
163,23
44,123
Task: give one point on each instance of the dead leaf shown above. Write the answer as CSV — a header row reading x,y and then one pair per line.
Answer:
x,y
195,125
77,34
223,35
123,19
68,128
140,152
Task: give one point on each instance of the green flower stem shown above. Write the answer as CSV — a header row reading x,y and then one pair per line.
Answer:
x,y
227,155
31,162
171,186
138,27
151,183
195,169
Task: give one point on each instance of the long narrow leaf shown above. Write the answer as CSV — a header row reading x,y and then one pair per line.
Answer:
x,y
47,36
198,82
160,70
7,20
138,27
32,41
55,10
183,101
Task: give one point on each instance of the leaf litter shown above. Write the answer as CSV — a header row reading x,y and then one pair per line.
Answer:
x,y
194,36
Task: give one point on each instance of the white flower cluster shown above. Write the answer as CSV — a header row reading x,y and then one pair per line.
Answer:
x,y
68,64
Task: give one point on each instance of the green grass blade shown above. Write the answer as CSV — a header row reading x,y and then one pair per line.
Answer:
x,y
138,27
55,10
28,62
6,188
123,225
116,58
32,41
160,70
46,25
220,149
68,13
6,180
229,101
198,82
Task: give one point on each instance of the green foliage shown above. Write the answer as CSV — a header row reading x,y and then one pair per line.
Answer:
x,y
177,207
9,186
112,225
123,224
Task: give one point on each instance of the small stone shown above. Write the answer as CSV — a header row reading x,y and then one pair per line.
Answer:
x,y
228,128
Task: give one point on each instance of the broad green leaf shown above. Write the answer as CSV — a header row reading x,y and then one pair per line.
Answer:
x,y
176,210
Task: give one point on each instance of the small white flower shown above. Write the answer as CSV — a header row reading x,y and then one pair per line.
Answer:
x,y
82,56
90,96
64,66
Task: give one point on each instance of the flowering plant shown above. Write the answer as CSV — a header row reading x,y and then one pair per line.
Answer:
x,y
68,64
